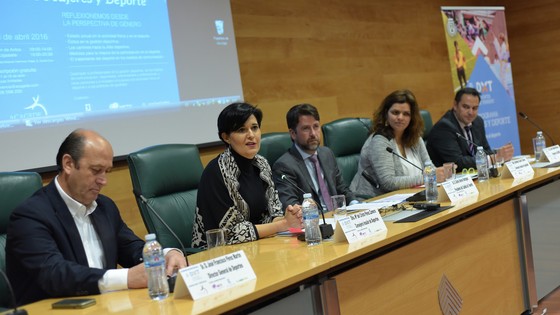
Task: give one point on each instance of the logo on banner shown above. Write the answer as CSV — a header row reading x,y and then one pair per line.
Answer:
x,y
451,28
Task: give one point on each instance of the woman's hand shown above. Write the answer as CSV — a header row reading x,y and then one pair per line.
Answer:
x,y
294,216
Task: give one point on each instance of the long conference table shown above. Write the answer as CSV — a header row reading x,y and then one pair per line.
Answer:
x,y
483,247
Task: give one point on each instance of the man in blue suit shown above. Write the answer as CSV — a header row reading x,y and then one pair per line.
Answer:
x,y
67,239
306,160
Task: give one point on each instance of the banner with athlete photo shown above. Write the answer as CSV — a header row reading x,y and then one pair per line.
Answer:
x,y
479,57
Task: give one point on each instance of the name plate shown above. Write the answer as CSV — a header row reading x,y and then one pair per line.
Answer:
x,y
551,154
357,226
518,168
457,189
214,275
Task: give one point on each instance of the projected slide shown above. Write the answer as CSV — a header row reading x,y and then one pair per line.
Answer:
x,y
140,72
105,60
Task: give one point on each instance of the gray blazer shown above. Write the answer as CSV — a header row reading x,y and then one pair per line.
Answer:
x,y
380,172
293,166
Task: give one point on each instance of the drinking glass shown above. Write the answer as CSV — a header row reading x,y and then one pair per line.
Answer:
x,y
339,206
449,170
215,238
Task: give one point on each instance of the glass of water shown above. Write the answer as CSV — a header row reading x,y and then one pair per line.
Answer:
x,y
339,206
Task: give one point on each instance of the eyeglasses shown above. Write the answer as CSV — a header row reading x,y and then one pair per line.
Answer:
x,y
469,171
392,209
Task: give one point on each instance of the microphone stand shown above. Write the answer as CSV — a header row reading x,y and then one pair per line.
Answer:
x,y
493,170
325,228
390,150
170,279
535,124
13,297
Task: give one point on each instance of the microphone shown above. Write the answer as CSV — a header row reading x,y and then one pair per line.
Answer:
x,y
390,150
535,124
13,296
326,229
492,171
170,279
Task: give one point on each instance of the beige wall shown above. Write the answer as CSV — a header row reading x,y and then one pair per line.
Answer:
x,y
344,56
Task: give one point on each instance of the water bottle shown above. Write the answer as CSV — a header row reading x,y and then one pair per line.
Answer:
x,y
539,143
311,220
481,164
430,181
154,261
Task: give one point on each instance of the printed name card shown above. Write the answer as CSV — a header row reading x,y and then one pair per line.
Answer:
x,y
360,225
457,189
214,275
518,168
551,154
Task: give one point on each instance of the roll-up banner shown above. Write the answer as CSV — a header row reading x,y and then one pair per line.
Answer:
x,y
478,49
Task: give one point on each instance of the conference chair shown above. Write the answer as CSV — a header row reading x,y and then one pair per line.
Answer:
x,y
15,187
427,118
345,137
274,144
165,181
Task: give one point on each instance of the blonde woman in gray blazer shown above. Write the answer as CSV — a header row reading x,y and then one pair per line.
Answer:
x,y
397,125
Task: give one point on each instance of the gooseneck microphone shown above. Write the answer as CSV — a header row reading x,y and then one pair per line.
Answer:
x,y
154,212
535,124
326,229
492,171
12,296
390,150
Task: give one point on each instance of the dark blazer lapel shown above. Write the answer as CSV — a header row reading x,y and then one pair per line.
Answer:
x,y
307,185
102,227
462,142
327,169
67,224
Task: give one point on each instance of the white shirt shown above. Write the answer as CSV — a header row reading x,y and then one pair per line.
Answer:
x,y
311,170
113,279
414,158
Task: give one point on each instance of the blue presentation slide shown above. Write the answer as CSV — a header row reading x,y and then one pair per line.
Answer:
x,y
68,60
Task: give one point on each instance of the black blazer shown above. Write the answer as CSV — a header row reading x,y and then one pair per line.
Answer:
x,y
45,257
445,146
293,166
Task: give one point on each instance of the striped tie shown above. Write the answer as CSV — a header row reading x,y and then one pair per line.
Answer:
x,y
471,144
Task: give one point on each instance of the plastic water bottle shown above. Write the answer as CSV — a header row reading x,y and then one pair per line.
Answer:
x,y
311,220
481,164
539,143
430,181
154,261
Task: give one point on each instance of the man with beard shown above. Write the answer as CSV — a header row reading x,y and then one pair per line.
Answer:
x,y
308,165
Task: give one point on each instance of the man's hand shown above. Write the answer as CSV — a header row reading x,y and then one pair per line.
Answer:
x,y
137,277
174,260
505,152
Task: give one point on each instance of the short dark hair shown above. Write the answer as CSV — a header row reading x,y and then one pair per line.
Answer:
x,y
292,117
466,90
234,117
73,145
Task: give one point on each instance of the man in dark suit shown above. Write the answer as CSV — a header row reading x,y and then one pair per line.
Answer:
x,y
67,239
444,145
300,163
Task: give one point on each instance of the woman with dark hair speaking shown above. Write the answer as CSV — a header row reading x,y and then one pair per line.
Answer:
x,y
236,192
397,125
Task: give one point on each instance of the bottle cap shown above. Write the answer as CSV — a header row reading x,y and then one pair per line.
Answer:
x,y
306,195
479,148
539,133
150,237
